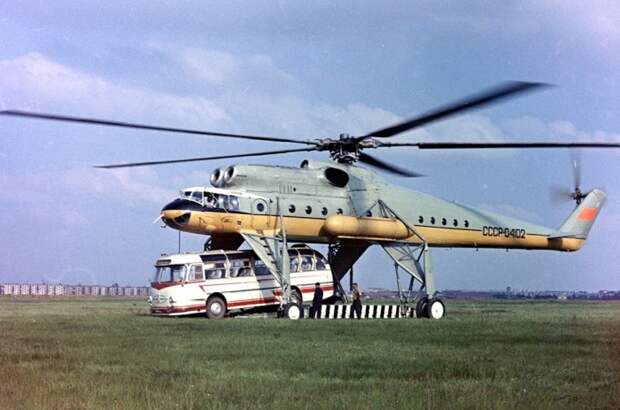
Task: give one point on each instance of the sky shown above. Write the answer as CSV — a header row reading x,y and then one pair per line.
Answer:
x,y
299,70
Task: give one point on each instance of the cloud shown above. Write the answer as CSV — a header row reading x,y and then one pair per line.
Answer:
x,y
132,186
597,21
61,194
221,69
533,129
35,82
245,89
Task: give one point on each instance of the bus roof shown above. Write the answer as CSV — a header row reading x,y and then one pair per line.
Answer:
x,y
192,257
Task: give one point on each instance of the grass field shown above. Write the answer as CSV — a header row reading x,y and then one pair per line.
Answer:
x,y
107,353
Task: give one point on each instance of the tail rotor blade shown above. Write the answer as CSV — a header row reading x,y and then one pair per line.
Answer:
x,y
576,163
559,194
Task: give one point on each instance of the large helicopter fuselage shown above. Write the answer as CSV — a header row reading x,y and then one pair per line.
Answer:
x,y
324,202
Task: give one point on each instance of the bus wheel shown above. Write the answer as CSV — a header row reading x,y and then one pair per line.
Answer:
x,y
216,307
293,311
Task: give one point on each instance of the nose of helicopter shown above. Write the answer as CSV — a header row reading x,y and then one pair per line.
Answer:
x,y
177,213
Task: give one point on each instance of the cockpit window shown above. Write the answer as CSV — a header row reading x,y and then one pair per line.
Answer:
x,y
210,200
213,200
171,273
222,201
197,196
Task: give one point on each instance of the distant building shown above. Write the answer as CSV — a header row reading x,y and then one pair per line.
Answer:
x,y
45,289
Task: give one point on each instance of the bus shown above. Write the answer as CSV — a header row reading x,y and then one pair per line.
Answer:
x,y
218,282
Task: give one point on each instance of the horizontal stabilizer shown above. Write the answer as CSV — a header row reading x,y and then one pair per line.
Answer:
x,y
559,234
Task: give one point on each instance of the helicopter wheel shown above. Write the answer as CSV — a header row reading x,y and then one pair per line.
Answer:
x,y
436,309
421,308
293,311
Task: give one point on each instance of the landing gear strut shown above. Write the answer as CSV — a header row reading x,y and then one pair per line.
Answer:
x,y
415,259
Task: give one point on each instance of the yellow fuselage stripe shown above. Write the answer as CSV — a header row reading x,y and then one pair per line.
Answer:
x,y
312,230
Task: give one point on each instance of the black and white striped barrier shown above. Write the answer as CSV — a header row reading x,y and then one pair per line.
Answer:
x,y
368,312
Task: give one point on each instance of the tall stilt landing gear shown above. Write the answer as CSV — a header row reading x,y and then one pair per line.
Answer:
x,y
415,259
273,252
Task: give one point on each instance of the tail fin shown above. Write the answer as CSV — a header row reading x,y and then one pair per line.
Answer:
x,y
581,220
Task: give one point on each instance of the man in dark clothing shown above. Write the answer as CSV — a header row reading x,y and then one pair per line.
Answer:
x,y
317,301
356,309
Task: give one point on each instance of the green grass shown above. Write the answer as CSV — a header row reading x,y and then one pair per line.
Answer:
x,y
108,353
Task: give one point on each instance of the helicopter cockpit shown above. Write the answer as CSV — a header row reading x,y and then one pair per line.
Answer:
x,y
210,198
178,212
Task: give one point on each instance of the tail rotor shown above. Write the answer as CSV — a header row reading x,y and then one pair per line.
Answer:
x,y
560,194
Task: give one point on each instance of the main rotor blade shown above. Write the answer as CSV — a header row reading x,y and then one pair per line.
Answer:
x,y
367,159
176,161
509,89
94,121
499,145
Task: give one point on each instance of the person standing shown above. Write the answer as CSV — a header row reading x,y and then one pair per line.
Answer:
x,y
317,302
356,309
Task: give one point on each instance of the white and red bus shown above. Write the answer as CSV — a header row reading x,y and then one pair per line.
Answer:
x,y
217,282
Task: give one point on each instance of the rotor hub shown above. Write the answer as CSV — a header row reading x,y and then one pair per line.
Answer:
x,y
346,149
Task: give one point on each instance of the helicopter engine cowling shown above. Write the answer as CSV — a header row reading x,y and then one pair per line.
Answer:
x,y
229,177
217,177
367,227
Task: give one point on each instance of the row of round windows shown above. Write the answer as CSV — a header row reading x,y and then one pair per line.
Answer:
x,y
444,221
308,209
260,207
324,211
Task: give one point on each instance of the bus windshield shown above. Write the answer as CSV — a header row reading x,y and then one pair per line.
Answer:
x,y
171,273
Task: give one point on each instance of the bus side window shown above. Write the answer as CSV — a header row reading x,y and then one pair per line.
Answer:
x,y
306,263
240,267
294,266
245,271
216,270
195,273
320,265
260,269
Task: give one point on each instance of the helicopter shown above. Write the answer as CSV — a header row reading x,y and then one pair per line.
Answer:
x,y
351,208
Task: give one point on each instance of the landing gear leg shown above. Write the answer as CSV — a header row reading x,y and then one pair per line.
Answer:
x,y
273,252
415,259
430,305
